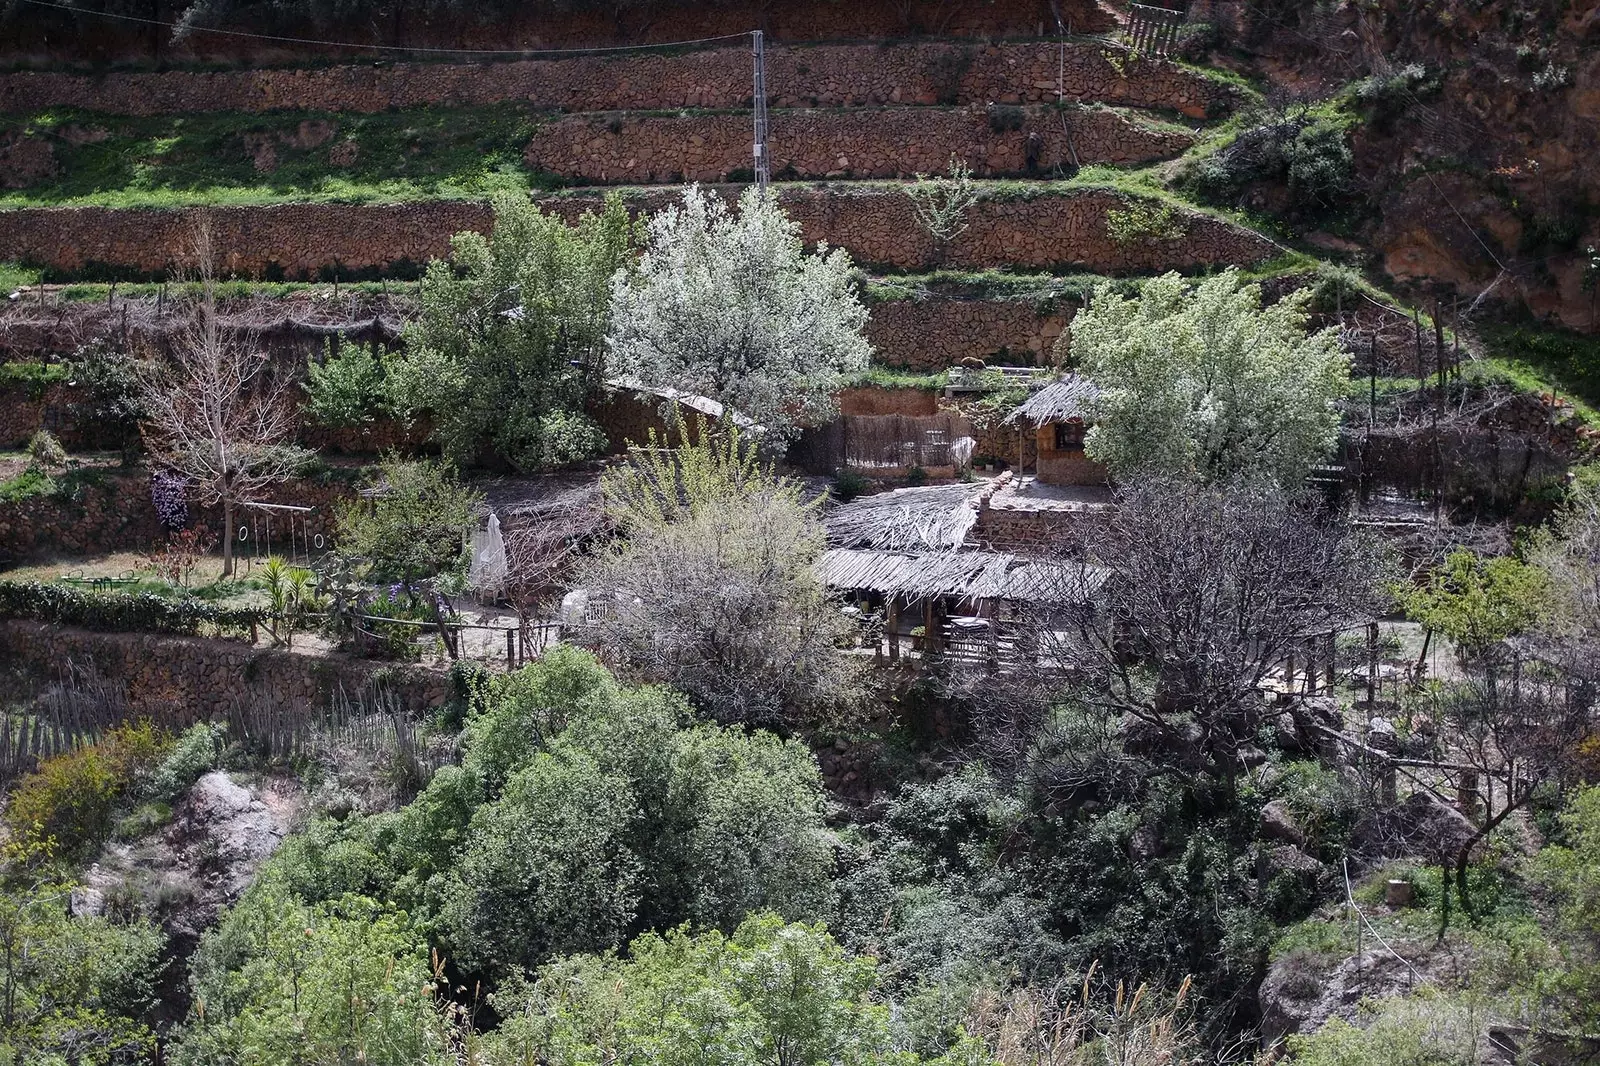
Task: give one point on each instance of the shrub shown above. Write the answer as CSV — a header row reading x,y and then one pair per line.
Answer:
x,y
769,993
192,754
45,449
280,982
71,797
121,611
848,484
615,817
346,389
75,988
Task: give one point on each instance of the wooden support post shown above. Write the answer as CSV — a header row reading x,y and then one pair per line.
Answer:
x,y
511,649
1288,674
891,627
1388,788
1372,665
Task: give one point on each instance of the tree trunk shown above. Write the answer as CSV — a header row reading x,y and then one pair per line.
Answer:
x,y
227,536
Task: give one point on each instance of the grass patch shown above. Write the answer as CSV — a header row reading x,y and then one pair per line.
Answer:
x,y
14,277
249,159
1545,359
33,377
888,378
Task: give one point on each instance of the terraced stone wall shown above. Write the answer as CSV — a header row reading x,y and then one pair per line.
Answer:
x,y
1065,229
114,513
45,37
877,143
818,76
936,334
176,681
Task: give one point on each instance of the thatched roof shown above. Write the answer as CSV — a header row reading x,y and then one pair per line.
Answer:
x,y
965,574
919,519
1059,401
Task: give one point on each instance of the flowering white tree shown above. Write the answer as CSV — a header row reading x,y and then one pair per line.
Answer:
x,y
728,305
1200,381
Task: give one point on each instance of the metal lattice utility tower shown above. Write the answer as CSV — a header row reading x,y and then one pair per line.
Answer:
x,y
758,103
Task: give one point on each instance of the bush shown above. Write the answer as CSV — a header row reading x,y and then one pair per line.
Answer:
x,y
123,612
45,449
71,797
192,754
848,484
76,988
280,982
346,389
769,993
615,817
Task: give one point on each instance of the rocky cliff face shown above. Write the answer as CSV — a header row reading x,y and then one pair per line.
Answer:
x,y
1478,175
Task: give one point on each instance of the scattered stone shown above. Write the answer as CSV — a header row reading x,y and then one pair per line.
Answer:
x,y
1423,827
84,902
1278,824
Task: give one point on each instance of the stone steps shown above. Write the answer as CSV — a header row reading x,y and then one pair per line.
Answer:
x,y
1040,227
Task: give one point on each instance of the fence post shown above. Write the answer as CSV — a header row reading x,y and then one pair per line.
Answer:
x,y
511,649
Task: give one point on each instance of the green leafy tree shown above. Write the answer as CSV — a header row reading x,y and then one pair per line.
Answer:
x,y
414,526
1200,381
279,982
772,994
713,588
509,336
347,388
729,305
72,989
1477,602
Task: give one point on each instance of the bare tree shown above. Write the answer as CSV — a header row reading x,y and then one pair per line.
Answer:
x,y
712,587
1200,594
1521,725
541,554
217,413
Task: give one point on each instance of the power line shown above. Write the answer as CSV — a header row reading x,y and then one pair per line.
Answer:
x,y
383,47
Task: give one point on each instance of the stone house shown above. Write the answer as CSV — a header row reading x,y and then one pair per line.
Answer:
x,y
1058,418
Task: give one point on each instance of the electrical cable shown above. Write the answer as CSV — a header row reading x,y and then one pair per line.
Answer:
x,y
383,47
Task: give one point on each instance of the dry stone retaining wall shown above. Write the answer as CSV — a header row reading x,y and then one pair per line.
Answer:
x,y
114,513
817,76
176,681
1050,230
44,38
860,143
937,334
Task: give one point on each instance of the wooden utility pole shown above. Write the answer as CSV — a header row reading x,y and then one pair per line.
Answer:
x,y
758,103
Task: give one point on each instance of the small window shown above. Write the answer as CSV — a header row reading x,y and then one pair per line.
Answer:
x,y
1069,436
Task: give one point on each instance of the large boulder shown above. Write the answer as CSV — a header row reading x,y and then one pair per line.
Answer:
x,y
1423,827
1277,823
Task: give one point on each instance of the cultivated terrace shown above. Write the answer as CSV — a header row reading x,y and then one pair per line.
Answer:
x,y
732,533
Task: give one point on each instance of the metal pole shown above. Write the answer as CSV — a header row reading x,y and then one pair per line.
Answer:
x,y
758,103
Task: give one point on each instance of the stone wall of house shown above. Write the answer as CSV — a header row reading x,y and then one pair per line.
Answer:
x,y
894,142
1044,230
877,400
176,681
840,75
46,37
